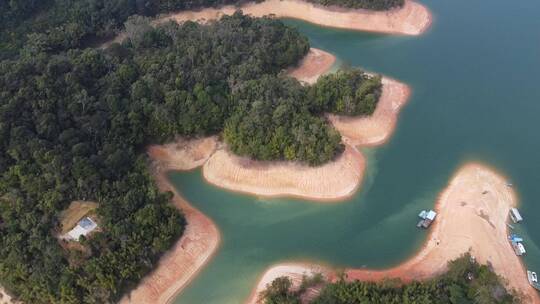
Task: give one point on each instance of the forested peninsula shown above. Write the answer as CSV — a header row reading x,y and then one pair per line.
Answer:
x,y
465,281
74,124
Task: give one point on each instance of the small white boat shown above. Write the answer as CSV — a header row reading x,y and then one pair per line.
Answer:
x,y
533,279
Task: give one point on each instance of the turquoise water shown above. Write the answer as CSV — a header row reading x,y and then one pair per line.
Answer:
x,y
476,96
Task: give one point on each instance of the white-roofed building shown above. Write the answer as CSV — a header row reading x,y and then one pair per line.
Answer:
x,y
84,227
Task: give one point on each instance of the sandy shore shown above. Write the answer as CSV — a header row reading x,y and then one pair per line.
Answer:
x,y
295,272
333,181
412,19
316,63
5,298
473,212
201,237
336,180
377,128
184,154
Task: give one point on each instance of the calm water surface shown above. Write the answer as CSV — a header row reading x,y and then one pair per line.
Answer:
x,y
476,96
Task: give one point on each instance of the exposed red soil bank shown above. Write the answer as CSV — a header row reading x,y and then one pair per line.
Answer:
x,y
201,237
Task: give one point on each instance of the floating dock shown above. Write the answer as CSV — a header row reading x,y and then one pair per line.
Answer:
x,y
515,216
426,218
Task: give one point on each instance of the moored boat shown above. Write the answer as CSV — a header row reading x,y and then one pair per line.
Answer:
x,y
533,279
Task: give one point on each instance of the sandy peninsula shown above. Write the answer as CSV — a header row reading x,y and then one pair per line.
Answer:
x,y
375,129
473,212
335,180
201,237
315,64
411,19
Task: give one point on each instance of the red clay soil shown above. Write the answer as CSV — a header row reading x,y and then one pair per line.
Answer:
x,y
201,237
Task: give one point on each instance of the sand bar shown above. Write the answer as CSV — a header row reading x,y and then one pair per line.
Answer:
x,y
335,180
473,212
312,66
411,19
200,240
375,129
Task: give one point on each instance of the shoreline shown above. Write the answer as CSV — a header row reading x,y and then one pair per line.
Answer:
x,y
163,284
201,238
334,181
411,19
456,231
376,129
315,64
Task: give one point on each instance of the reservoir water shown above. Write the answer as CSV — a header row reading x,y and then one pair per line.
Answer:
x,y
475,77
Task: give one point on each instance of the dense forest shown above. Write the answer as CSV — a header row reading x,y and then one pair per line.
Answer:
x,y
58,25
378,5
465,282
276,118
272,121
346,92
73,126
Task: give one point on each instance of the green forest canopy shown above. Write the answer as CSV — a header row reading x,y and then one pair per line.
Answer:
x,y
378,5
465,282
74,123
73,126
